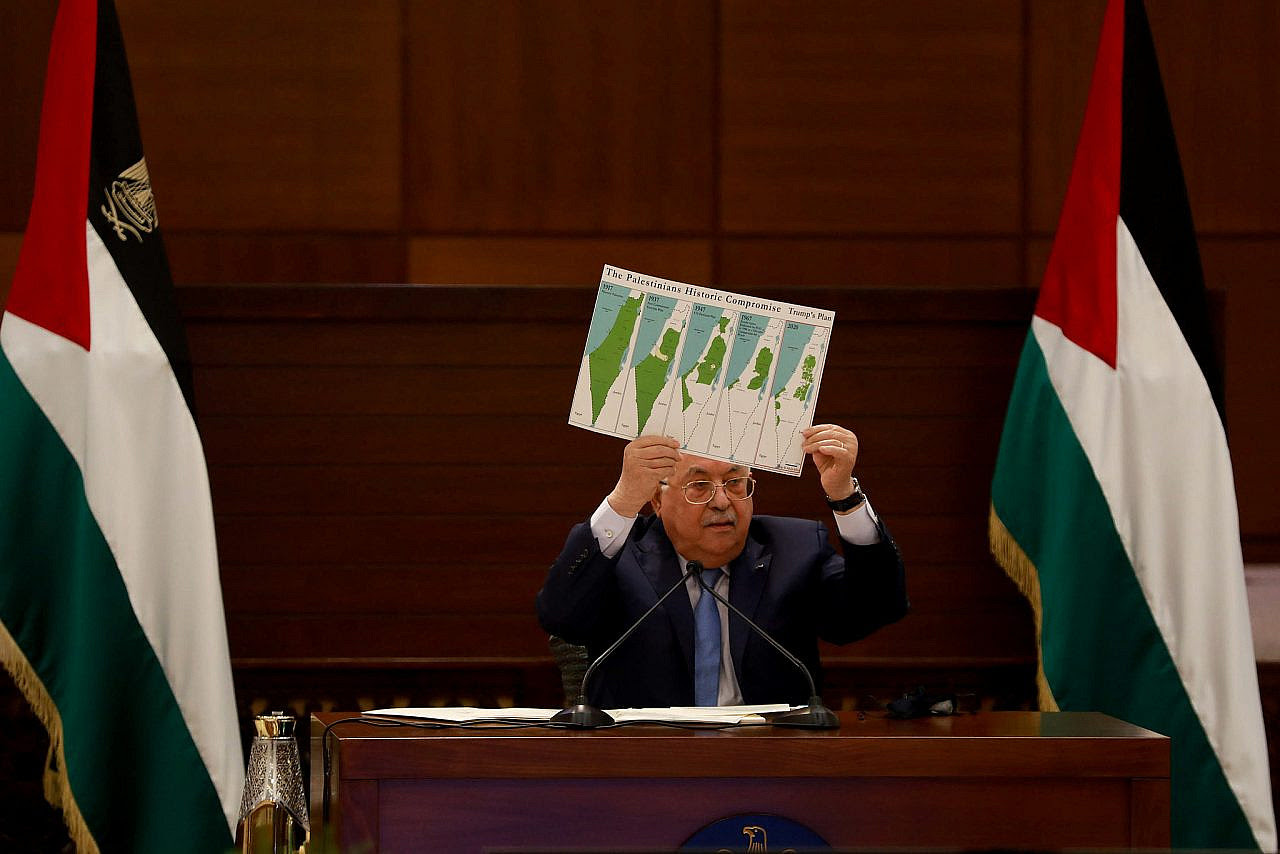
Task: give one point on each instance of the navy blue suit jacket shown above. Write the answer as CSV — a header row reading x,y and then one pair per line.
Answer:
x,y
788,579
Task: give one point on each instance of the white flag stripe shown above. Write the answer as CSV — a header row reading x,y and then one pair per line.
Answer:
x,y
1158,449
121,413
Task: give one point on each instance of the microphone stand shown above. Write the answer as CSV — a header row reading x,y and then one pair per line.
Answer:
x,y
584,716
814,716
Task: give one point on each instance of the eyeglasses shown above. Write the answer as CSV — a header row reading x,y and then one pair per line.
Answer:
x,y
702,491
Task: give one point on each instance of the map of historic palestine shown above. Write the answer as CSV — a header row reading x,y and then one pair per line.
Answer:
x,y
731,377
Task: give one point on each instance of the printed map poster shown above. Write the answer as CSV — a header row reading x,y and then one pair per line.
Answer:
x,y
732,377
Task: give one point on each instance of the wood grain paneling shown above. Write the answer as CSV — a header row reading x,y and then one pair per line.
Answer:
x,y
537,537
1038,250
908,263
291,343
455,439
1249,272
283,115
315,637
553,261
466,589
1062,44
476,587
435,303
466,390
355,489
252,257
560,116
27,28
10,245
871,117
973,638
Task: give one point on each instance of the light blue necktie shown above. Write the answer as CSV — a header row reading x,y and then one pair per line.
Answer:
x,y
706,644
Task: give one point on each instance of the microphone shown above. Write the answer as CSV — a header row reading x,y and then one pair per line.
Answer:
x,y
814,716
584,716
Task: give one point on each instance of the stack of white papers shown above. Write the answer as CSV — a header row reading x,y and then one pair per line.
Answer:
x,y
700,714
675,714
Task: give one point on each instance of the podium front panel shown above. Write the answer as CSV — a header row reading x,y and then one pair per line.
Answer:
x,y
1009,780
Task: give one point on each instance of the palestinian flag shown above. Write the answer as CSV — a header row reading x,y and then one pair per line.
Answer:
x,y
110,608
1113,504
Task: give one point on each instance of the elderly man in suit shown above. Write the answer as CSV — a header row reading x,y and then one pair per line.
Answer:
x,y
781,572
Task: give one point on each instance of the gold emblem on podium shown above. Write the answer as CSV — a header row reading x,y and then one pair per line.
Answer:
x,y
757,841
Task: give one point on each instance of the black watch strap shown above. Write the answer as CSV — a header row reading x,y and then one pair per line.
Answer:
x,y
842,504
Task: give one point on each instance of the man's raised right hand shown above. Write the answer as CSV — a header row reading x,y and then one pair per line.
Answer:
x,y
646,462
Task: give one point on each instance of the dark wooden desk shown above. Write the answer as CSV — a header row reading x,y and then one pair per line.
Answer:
x,y
996,779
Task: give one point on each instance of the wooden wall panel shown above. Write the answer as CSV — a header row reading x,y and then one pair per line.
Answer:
x,y
409,439
253,257
27,27
377,640
10,245
1038,250
384,588
304,391
871,117
1249,271
478,587
274,489
769,262
1062,41
261,341
554,260
399,343
345,488
282,115
455,539
560,116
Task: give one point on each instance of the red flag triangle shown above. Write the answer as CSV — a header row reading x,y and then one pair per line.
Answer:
x,y
51,284
1078,294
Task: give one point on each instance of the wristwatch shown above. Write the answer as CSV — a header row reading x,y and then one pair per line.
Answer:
x,y
842,504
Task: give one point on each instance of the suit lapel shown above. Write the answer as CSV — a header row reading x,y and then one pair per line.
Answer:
x,y
658,561
747,575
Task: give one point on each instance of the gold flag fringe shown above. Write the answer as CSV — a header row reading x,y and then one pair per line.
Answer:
x,y
57,788
1015,563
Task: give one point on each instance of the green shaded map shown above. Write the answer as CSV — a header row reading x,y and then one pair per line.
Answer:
x,y
806,378
651,375
733,357
750,328
763,360
709,368
605,362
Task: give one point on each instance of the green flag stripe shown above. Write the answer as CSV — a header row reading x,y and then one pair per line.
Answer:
x,y
65,604
1100,645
